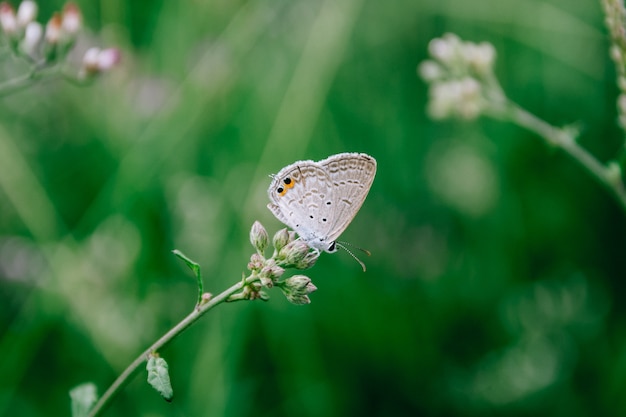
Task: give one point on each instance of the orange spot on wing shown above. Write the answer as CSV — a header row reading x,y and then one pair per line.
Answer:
x,y
287,184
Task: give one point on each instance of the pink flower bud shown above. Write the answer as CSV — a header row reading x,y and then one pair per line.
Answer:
x,y
99,60
53,29
8,22
108,58
72,20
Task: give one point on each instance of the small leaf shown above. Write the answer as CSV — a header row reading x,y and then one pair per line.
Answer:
x,y
83,398
159,377
195,267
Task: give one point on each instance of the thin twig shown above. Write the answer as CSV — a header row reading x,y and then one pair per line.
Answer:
x,y
566,140
198,312
37,73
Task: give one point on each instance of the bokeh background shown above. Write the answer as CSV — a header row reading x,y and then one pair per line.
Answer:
x,y
496,281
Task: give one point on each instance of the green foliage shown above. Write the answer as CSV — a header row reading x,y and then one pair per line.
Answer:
x,y
159,377
83,398
195,268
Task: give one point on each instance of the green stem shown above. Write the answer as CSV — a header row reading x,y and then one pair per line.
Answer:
x,y
26,80
566,140
198,312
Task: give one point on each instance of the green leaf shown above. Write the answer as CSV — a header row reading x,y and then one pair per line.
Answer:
x,y
195,268
159,377
83,398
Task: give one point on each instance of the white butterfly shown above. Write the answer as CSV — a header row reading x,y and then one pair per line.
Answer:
x,y
319,199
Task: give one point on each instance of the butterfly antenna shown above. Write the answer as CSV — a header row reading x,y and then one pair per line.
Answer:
x,y
342,245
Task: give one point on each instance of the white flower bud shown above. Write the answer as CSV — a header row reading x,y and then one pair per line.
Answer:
x,y
456,98
259,237
281,238
90,59
470,100
430,71
26,12
616,53
480,57
441,50
297,289
32,38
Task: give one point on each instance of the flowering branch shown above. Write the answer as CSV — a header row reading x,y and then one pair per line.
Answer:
x,y
44,50
289,252
463,85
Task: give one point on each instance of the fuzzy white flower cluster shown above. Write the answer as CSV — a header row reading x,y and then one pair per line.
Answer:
x,y
457,72
49,43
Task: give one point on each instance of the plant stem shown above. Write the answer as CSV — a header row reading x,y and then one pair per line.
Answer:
x,y
36,73
198,312
566,140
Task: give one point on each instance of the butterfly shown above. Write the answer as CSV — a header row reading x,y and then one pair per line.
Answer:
x,y
318,200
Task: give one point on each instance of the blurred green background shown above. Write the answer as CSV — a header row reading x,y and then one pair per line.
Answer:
x,y
496,281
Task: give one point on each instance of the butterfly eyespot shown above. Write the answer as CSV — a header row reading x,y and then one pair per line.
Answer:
x,y
324,219
328,203
310,216
287,184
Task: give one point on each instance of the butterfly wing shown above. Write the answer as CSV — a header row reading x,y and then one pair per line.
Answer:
x,y
351,176
298,196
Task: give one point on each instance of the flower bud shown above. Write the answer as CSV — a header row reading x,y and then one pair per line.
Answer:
x,y
309,260
259,237
72,19
253,291
616,54
26,13
256,262
271,270
441,50
8,22
430,71
32,38
293,253
481,57
281,238
97,60
266,282
53,29
461,98
297,288
90,59
108,58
